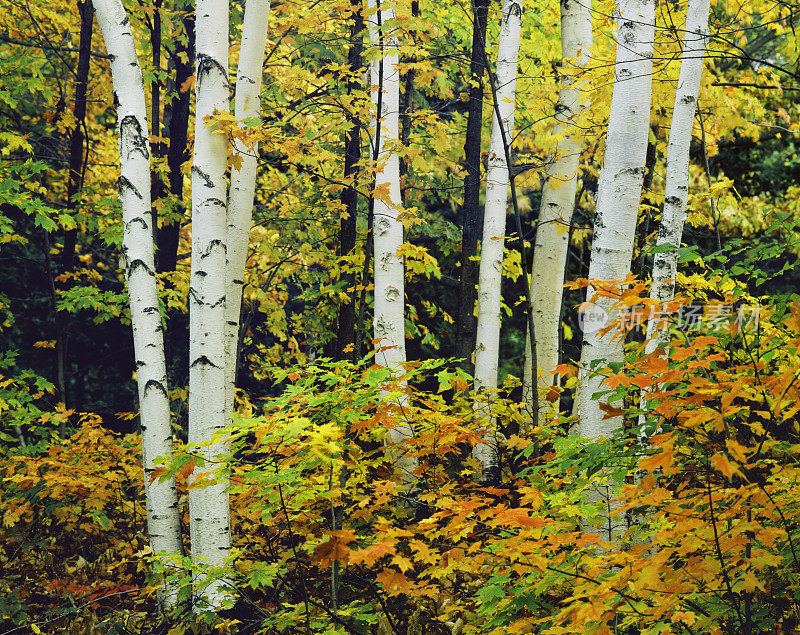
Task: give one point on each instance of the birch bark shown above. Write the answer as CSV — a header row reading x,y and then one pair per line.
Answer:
x,y
558,201
389,311
208,506
163,524
487,347
619,191
243,181
665,264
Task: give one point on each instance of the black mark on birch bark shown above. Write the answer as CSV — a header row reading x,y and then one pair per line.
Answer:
x,y
203,361
152,384
138,264
206,179
132,136
205,63
124,184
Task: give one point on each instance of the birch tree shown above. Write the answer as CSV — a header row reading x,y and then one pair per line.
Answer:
x,y
665,262
163,524
487,347
208,506
558,201
389,294
243,180
619,191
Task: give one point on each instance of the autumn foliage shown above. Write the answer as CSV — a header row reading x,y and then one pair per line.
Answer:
x,y
328,535
710,502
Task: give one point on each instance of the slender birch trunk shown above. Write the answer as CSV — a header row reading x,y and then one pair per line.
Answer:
x,y
619,191
665,264
558,201
163,523
208,506
389,317
243,181
487,347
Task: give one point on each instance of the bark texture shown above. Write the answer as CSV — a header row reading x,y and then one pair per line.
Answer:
x,y
208,506
487,347
466,321
665,263
558,201
243,181
163,522
619,192
389,294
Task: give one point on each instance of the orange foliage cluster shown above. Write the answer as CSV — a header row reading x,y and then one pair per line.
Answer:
x,y
710,503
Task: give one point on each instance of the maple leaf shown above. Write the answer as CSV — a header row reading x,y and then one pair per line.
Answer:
x,y
403,563
187,469
335,548
662,460
684,616
370,555
793,321
157,473
751,582
722,464
393,581
519,518
610,411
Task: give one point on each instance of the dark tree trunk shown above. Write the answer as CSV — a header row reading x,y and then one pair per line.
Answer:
x,y
406,108
77,163
178,126
76,145
466,322
345,331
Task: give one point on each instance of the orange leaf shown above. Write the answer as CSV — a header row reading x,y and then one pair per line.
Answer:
x,y
519,518
661,460
722,464
393,581
335,549
610,411
156,473
187,469
793,321
370,555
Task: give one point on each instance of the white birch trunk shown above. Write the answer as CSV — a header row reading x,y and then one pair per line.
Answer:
x,y
243,181
208,506
619,192
558,201
487,346
163,524
389,316
665,265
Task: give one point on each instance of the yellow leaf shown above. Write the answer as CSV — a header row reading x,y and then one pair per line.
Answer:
x,y
685,617
403,563
751,582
